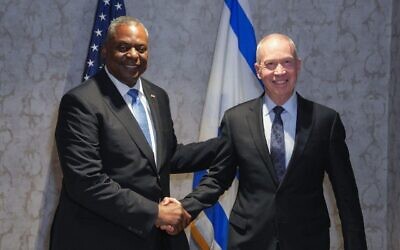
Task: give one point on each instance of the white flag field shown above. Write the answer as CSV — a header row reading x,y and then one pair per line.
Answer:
x,y
232,81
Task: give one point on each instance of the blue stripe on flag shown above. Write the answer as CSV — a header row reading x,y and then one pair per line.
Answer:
x,y
244,31
197,177
219,220
241,26
216,215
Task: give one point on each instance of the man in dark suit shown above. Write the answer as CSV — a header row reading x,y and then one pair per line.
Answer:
x,y
283,144
117,147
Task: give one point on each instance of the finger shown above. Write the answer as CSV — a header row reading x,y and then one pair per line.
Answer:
x,y
187,218
165,201
170,230
173,231
167,228
170,199
180,227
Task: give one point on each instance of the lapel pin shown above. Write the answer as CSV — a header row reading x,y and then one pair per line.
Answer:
x,y
152,96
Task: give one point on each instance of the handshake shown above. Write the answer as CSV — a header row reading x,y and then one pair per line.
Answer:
x,y
172,217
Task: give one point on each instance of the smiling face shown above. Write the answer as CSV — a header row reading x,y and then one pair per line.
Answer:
x,y
126,52
277,66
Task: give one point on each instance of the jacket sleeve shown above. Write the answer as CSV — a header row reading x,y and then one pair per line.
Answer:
x,y
341,175
195,156
219,178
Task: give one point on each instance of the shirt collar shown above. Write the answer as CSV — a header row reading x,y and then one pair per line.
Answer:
x,y
123,88
290,105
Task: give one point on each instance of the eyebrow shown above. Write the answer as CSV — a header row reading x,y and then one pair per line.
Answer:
x,y
280,59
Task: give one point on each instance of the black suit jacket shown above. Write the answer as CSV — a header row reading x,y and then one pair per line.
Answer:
x,y
111,183
293,213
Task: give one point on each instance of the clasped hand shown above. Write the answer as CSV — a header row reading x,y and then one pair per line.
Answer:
x,y
172,217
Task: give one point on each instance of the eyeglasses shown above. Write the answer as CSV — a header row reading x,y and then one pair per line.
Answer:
x,y
273,65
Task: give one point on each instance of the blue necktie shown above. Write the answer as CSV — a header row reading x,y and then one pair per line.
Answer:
x,y
140,114
278,143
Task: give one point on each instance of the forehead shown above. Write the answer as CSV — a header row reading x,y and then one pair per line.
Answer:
x,y
275,49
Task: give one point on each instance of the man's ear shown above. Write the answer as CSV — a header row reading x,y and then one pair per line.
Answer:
x,y
103,52
299,63
257,67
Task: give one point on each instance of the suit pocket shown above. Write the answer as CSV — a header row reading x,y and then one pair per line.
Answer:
x,y
238,221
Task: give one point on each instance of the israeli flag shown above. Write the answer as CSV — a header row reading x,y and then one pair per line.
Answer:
x,y
232,81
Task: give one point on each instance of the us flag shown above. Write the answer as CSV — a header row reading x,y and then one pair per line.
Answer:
x,y
107,10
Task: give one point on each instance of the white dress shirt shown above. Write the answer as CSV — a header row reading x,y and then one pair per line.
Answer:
x,y
289,117
123,90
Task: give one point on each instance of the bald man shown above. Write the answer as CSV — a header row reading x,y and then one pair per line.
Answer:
x,y
283,144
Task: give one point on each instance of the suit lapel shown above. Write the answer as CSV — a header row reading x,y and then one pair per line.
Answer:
x,y
156,118
255,123
118,106
303,129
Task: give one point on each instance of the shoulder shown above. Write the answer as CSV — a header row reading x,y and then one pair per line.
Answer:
x,y
307,105
85,92
88,93
153,91
240,109
321,115
91,87
84,88
149,86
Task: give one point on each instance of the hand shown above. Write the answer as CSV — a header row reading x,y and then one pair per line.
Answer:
x,y
170,229
172,217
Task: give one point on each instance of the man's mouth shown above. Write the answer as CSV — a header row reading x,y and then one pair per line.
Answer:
x,y
280,81
130,66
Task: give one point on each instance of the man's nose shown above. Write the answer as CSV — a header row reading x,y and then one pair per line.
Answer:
x,y
132,53
279,70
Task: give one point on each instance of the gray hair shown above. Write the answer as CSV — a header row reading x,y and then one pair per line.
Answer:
x,y
128,20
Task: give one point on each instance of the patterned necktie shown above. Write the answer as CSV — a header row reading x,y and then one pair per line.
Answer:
x,y
140,113
278,143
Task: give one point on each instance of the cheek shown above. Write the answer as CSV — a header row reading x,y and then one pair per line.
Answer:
x,y
260,75
144,58
114,59
265,75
